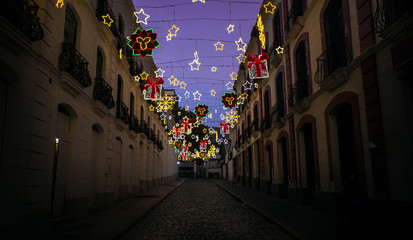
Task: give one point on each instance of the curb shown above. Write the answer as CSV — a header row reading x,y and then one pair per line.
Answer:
x,y
139,218
263,214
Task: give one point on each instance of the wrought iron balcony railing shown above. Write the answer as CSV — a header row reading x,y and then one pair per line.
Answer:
x,y
388,12
23,15
122,112
278,111
72,62
297,9
335,56
134,124
103,8
144,127
266,122
103,92
272,52
299,90
151,135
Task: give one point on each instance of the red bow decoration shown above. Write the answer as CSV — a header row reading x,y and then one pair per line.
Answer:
x,y
203,143
223,126
185,148
258,62
184,156
186,123
154,85
177,132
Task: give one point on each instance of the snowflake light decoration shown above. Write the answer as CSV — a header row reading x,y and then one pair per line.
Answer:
x,y
231,116
166,103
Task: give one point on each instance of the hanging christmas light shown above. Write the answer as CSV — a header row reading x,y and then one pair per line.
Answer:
x,y
138,19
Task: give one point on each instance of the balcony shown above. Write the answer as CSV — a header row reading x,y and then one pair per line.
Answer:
x,y
295,22
23,15
274,57
151,135
103,8
255,128
72,62
122,112
388,12
331,65
299,93
144,127
134,124
103,92
277,114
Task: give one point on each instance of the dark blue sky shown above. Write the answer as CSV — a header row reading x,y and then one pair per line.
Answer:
x,y
201,25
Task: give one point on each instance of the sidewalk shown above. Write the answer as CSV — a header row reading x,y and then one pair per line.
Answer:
x,y
303,222
110,223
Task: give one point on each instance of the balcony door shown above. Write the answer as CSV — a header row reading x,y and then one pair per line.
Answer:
x,y
283,154
3,98
280,95
70,31
116,174
301,68
335,36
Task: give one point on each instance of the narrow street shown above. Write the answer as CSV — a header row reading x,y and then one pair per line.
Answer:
x,y
199,209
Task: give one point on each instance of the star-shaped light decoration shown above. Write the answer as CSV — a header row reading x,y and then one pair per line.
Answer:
x,y
279,50
172,79
269,8
151,108
213,92
173,30
170,117
233,76
244,95
168,37
219,46
186,94
241,58
59,3
179,113
178,98
247,85
182,85
144,75
195,65
175,82
211,130
159,72
120,53
107,19
241,46
229,85
136,78
202,1
222,116
219,141
171,141
139,19
197,95
230,28
226,141
204,131
216,111
186,108
193,136
143,42
214,69
210,115
240,100
162,116
256,85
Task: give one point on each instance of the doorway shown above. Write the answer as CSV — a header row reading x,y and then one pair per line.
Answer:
x,y
284,187
117,158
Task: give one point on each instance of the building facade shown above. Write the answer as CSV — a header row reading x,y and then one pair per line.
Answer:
x,y
331,122
76,132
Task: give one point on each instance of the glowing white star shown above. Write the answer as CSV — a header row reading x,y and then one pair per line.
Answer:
x,y
197,95
159,72
213,69
186,94
279,50
241,43
172,79
193,63
247,85
233,76
229,85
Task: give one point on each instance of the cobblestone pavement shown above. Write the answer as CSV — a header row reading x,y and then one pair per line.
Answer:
x,y
201,210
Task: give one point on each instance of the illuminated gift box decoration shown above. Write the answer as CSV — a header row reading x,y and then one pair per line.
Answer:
x,y
186,125
257,66
203,144
223,128
153,89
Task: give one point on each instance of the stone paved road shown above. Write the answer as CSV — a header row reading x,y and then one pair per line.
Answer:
x,y
201,210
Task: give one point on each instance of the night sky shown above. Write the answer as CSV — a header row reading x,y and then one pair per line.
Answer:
x,y
201,25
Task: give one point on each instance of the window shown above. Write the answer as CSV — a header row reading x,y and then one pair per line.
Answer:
x,y
267,109
280,95
301,68
277,29
99,64
132,104
70,27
